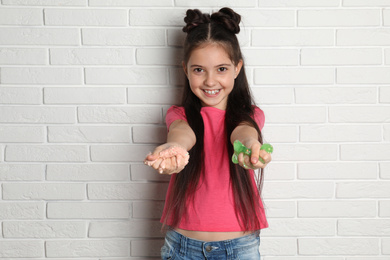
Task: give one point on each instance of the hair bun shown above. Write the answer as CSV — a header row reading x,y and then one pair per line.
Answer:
x,y
194,17
228,18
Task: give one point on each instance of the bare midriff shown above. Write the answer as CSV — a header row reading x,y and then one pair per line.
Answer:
x,y
212,236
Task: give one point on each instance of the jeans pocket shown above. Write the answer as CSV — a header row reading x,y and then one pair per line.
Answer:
x,y
167,251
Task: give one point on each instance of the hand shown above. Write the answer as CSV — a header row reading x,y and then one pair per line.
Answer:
x,y
253,162
168,158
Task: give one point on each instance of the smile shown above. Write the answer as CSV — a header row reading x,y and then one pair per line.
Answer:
x,y
212,92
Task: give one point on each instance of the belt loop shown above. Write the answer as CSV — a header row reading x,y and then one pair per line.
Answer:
x,y
183,245
229,249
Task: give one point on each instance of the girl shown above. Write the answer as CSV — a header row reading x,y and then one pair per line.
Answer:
x,y
213,207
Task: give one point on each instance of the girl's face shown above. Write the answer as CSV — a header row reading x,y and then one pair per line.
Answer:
x,y
211,75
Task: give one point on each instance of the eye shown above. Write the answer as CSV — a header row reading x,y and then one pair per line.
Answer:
x,y
198,70
222,69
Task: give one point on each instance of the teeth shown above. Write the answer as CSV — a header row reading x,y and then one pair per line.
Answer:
x,y
211,92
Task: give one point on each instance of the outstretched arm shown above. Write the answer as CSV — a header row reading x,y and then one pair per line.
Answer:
x,y
172,156
248,135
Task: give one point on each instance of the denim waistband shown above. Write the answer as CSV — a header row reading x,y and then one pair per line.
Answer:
x,y
226,247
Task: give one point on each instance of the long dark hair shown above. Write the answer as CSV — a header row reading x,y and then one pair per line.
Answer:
x,y
221,27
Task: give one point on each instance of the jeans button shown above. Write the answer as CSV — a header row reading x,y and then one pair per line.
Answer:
x,y
209,248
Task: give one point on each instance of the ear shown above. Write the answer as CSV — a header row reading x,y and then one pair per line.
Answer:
x,y
184,68
238,68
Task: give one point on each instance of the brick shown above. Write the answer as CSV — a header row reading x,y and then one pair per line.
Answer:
x,y
373,189
299,3
146,247
366,3
231,3
84,95
34,114
280,209
336,209
294,115
23,56
338,246
363,37
44,229
24,248
283,134
20,95
42,75
306,258
300,228
363,227
278,246
125,229
22,210
91,56
120,153
271,57
123,37
22,134
280,171
386,132
43,191
384,95
85,17
40,36
305,152
87,172
386,17
46,153
299,190
267,18
154,95
159,56
156,17
134,76
385,246
124,191
22,172
46,2
149,134
337,171
384,169
292,37
341,56
340,133
359,114
294,76
364,152
21,16
147,209
88,134
384,208
125,114
338,17
87,248
379,75
87,210
339,95
142,172
130,3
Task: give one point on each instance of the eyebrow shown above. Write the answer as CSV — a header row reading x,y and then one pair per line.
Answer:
x,y
220,65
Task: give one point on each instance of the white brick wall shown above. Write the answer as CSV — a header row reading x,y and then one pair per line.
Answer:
x,y
84,87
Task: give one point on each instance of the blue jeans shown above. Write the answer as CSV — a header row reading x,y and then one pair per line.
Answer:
x,y
180,247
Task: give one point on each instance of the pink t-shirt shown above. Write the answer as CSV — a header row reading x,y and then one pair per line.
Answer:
x,y
213,206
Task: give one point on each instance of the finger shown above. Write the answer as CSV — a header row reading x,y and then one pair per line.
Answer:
x,y
157,163
265,156
255,152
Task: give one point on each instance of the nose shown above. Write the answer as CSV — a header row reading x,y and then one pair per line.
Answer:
x,y
210,80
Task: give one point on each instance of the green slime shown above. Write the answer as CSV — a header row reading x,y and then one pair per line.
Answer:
x,y
240,148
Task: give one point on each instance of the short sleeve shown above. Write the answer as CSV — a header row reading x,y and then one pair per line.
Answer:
x,y
259,117
175,113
